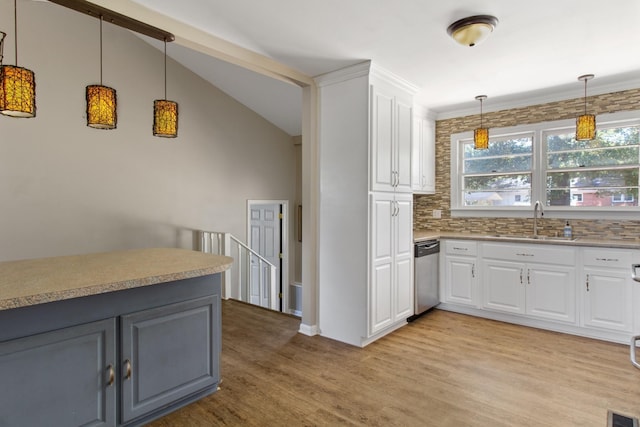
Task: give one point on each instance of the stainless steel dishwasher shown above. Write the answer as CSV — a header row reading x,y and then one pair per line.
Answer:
x,y
426,274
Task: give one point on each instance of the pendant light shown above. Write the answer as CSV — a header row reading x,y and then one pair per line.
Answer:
x,y
165,113
101,101
17,84
481,134
586,123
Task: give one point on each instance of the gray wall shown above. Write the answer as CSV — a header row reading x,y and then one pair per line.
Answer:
x,y
68,189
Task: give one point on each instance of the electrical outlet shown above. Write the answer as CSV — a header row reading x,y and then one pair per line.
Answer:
x,y
437,213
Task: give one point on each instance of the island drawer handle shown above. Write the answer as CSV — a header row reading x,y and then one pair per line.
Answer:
x,y
524,254
608,259
127,364
112,375
460,249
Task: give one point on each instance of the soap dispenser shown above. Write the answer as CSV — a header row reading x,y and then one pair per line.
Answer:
x,y
568,232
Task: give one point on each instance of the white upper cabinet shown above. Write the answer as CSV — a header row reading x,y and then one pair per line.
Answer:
x,y
391,137
423,169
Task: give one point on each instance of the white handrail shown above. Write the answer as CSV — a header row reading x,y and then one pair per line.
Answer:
x,y
220,243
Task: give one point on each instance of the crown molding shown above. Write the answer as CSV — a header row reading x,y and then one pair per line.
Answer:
x,y
543,96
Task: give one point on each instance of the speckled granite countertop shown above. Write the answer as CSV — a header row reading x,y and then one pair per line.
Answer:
x,y
421,235
29,282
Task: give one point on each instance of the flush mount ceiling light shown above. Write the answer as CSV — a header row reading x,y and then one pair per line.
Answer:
x,y
481,134
101,101
17,84
472,30
586,123
165,113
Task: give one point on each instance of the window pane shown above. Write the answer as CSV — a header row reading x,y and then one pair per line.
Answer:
x,y
594,178
497,190
498,164
498,198
618,187
614,137
618,197
505,147
597,157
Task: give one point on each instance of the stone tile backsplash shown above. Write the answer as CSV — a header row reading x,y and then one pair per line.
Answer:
x,y
425,204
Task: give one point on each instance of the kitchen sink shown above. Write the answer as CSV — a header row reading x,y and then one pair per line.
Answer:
x,y
531,237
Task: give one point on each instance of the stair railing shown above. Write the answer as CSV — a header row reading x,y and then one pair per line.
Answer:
x,y
251,278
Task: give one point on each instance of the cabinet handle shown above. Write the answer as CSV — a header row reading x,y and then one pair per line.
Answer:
x,y
397,179
127,365
521,276
524,254
473,270
397,208
460,249
528,277
112,375
633,351
608,259
587,283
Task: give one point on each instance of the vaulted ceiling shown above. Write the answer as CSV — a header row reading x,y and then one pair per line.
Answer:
x,y
539,48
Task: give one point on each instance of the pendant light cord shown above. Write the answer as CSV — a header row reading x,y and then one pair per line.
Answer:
x,y
481,112
15,27
165,69
585,97
100,50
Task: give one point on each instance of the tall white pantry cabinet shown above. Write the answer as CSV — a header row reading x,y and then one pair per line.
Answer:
x,y
366,204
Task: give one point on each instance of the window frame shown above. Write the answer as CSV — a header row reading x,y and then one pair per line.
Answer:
x,y
538,171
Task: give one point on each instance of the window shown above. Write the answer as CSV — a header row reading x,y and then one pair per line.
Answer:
x,y
544,162
603,171
500,175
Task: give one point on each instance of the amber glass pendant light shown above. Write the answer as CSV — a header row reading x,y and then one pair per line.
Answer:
x,y
586,123
17,84
165,112
481,134
101,101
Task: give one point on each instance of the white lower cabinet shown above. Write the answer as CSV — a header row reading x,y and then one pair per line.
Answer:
x,y
535,280
607,289
459,284
579,290
391,290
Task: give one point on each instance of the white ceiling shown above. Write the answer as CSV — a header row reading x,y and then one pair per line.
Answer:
x,y
538,49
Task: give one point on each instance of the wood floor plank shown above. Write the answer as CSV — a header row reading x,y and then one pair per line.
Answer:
x,y
444,369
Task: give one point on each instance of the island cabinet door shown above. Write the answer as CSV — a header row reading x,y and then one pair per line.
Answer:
x,y
62,378
168,353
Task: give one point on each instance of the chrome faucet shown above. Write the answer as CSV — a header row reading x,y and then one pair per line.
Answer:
x,y
537,206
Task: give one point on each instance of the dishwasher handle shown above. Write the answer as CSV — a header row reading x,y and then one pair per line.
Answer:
x,y
426,248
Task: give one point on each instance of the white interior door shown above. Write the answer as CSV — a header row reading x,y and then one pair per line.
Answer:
x,y
265,238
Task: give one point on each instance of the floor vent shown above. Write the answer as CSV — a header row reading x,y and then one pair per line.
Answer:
x,y
615,419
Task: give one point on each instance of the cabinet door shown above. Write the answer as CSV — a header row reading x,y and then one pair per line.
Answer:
x,y
383,170
169,353
607,299
402,147
460,280
423,156
551,292
504,286
60,378
380,292
403,256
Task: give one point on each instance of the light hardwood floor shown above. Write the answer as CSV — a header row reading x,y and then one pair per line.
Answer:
x,y
444,369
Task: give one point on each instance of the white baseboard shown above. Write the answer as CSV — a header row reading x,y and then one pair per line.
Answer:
x,y
309,330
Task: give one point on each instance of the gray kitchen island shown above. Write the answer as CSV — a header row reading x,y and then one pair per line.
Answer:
x,y
110,339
